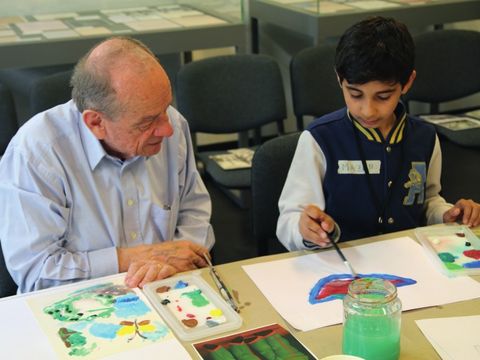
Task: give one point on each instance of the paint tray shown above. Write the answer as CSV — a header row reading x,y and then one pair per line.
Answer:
x,y
454,249
192,309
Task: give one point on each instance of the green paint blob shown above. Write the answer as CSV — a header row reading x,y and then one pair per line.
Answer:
x,y
372,338
197,298
446,257
452,266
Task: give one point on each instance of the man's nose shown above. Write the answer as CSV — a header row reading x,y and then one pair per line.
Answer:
x,y
163,129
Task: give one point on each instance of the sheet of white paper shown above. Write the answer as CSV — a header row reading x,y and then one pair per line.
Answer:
x,y
38,27
8,32
55,16
454,338
327,7
25,339
92,30
200,20
373,4
60,34
288,291
146,25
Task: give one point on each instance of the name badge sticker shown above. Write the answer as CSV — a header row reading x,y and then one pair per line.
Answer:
x,y
355,167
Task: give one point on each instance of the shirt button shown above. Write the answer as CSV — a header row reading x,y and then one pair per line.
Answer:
x,y
390,220
130,202
390,183
388,148
133,235
380,220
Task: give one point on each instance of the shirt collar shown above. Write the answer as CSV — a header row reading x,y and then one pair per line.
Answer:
x,y
396,133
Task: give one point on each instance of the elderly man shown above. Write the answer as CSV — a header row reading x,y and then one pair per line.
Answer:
x,y
106,182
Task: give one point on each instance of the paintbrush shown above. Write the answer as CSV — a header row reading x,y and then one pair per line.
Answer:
x,y
345,261
221,285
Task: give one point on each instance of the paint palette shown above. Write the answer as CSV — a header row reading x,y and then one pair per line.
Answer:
x,y
191,307
454,248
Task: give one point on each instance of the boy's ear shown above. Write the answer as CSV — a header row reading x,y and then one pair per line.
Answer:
x,y
95,122
338,80
409,83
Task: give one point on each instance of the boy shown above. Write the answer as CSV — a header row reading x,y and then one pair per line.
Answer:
x,y
328,194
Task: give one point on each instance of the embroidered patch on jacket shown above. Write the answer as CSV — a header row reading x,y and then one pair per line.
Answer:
x,y
356,167
417,177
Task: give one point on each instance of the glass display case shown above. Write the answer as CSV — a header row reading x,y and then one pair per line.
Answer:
x,y
320,19
48,32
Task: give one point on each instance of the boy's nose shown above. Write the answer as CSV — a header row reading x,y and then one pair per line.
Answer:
x,y
368,110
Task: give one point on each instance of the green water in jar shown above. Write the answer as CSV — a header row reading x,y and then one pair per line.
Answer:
x,y
372,337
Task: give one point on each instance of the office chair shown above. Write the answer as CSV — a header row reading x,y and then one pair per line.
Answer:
x,y
8,119
20,82
315,89
49,91
231,94
7,285
270,166
447,64
460,171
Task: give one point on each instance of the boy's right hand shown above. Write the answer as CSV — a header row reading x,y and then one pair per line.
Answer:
x,y
315,225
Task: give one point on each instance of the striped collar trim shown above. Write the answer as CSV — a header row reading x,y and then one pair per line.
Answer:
x,y
396,133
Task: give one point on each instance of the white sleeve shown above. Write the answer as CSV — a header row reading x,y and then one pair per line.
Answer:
x,y
303,186
435,205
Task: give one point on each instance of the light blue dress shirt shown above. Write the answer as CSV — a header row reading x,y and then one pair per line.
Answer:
x,y
66,205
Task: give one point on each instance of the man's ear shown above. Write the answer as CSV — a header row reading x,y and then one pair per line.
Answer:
x,y
409,83
95,122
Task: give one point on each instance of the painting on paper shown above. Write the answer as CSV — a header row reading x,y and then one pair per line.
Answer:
x,y
307,290
455,248
268,342
98,320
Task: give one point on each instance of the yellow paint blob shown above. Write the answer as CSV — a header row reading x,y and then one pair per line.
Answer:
x,y
216,312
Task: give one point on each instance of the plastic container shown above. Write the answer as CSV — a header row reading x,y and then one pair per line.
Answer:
x,y
372,320
191,308
453,249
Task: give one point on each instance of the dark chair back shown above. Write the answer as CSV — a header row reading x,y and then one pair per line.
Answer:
x,y
49,91
315,89
232,93
8,119
7,285
270,166
447,64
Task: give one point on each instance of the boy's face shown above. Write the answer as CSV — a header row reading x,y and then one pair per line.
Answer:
x,y
373,104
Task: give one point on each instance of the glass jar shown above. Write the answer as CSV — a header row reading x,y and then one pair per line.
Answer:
x,y
372,318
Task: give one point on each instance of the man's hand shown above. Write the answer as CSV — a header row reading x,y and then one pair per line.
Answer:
x,y
466,210
315,225
146,263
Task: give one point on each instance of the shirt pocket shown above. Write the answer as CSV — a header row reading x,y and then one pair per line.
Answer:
x,y
162,222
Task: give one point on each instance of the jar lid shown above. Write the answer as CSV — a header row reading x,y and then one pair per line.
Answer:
x,y
372,290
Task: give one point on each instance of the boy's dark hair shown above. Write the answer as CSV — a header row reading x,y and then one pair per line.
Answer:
x,y
376,48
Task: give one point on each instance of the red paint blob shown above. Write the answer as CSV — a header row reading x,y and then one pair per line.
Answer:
x,y
474,254
191,316
179,308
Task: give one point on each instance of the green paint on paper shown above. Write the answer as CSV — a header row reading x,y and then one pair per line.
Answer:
x,y
446,257
197,298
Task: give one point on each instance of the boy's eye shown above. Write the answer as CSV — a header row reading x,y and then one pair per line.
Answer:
x,y
384,97
356,96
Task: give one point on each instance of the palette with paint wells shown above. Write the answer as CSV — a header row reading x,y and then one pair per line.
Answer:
x,y
191,307
455,249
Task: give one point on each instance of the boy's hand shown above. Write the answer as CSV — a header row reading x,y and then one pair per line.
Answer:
x,y
315,225
466,211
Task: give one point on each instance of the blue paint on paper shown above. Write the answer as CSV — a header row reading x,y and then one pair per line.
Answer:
x,y
104,331
130,306
472,264
180,285
398,281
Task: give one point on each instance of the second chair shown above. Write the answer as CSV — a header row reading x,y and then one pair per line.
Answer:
x,y
230,94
